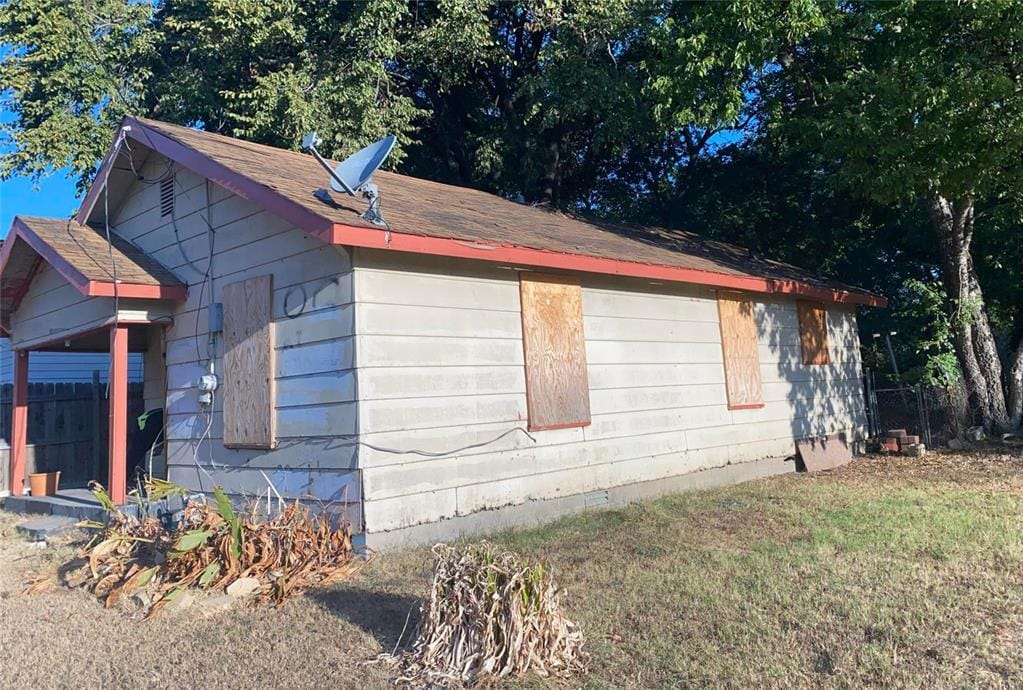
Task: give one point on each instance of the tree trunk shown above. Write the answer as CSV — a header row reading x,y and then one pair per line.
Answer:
x,y
1015,384
550,192
974,341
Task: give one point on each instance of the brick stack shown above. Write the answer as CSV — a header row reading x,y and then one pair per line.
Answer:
x,y
898,441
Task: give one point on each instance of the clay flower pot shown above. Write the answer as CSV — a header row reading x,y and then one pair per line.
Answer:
x,y
44,483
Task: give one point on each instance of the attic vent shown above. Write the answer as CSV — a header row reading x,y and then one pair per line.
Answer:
x,y
167,196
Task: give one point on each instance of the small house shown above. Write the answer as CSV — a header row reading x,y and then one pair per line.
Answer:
x,y
475,363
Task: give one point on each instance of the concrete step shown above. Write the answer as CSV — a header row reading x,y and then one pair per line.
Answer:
x,y
46,527
75,507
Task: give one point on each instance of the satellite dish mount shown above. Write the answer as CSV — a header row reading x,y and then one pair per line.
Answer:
x,y
354,174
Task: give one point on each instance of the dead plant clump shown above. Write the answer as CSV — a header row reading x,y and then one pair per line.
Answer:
x,y
210,548
489,613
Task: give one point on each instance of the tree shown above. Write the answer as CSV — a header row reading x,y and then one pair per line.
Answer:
x,y
908,103
537,100
71,71
803,129
266,71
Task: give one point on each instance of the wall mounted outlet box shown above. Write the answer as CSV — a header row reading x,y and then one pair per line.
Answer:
x,y
216,317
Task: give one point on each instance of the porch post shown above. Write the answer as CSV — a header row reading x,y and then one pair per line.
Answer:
x,y
118,409
19,422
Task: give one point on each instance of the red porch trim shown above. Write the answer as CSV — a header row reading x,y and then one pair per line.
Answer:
x,y
19,423
118,407
355,236
99,288
268,199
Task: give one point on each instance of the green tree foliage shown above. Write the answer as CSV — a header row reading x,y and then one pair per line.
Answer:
x,y
538,99
261,70
911,104
71,71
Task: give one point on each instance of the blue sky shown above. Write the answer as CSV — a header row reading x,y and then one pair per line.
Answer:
x,y
54,195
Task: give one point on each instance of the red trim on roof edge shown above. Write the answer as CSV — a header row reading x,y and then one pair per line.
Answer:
x,y
355,236
201,164
89,288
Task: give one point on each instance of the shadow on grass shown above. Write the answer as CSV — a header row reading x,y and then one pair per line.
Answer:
x,y
381,614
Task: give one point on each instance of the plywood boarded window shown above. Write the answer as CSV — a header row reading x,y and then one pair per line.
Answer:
x,y
813,333
739,347
557,389
248,388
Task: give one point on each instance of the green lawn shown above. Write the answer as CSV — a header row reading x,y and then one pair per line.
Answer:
x,y
889,572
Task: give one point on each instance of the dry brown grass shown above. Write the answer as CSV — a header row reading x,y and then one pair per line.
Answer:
x,y
889,572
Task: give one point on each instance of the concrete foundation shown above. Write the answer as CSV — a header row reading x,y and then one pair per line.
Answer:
x,y
535,513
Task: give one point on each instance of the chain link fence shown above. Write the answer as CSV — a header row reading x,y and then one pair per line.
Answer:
x,y
934,413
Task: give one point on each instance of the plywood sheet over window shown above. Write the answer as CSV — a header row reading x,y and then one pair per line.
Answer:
x,y
813,333
557,389
248,388
739,347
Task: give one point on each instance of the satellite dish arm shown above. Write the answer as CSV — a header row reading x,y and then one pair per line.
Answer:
x,y
326,166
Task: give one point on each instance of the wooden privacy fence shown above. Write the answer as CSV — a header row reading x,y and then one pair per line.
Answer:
x,y
68,429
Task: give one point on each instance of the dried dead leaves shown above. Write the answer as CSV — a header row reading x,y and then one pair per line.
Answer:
x,y
490,614
210,548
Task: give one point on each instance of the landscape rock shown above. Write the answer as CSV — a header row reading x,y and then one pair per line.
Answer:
x,y
216,602
243,587
975,433
956,444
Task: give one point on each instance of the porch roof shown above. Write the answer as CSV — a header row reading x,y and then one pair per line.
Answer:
x,y
81,255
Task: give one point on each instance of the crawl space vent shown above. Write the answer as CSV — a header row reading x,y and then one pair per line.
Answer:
x,y
167,196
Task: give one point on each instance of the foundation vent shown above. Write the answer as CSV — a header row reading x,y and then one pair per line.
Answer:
x,y
167,197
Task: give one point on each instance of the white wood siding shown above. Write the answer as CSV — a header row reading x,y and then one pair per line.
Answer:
x,y
438,351
312,309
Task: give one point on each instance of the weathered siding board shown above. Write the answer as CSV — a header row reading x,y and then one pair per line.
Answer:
x,y
320,388
429,381
312,312
154,384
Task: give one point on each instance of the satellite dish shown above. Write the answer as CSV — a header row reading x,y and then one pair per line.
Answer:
x,y
353,175
358,168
